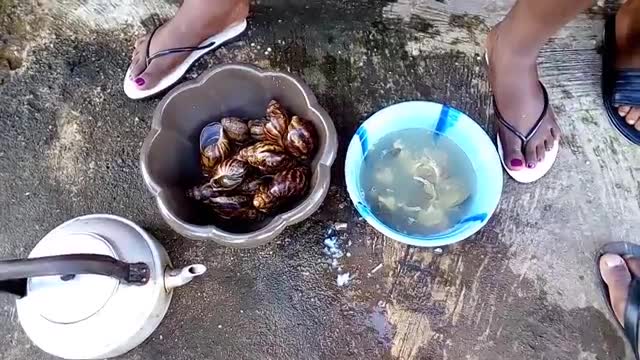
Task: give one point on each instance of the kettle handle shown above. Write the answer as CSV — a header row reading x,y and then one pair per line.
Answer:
x,y
14,273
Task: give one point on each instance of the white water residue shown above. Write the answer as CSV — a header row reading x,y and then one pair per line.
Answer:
x,y
334,248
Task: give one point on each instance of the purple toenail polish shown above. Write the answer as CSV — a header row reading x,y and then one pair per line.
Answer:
x,y
139,81
516,162
531,165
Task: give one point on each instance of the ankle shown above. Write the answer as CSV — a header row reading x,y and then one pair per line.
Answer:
x,y
506,43
204,19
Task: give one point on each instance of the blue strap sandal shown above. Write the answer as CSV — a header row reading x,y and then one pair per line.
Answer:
x,y
632,309
620,87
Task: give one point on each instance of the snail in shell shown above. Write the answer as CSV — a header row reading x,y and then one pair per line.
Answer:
x,y
252,167
229,174
276,127
236,129
202,192
268,157
215,147
250,186
301,138
233,207
256,129
286,185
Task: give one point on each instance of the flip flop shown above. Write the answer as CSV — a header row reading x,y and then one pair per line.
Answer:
x,y
632,309
619,86
197,52
527,175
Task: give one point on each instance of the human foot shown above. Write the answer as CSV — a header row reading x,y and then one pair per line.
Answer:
x,y
196,21
628,51
519,96
617,273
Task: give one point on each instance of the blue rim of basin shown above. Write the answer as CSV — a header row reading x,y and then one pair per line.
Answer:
x,y
444,121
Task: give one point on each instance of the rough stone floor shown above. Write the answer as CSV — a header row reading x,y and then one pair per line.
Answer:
x,y
523,288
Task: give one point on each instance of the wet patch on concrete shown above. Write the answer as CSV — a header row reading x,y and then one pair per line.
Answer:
x,y
467,303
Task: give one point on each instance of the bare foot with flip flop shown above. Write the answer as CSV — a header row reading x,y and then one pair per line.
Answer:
x,y
527,130
528,133
619,268
621,70
164,55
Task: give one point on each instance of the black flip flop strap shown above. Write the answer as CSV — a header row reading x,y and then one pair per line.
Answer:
x,y
626,90
631,315
161,53
525,138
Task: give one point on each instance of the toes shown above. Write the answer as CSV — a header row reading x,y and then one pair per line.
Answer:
x,y
624,110
555,133
531,156
633,263
632,116
148,79
513,157
540,151
616,275
637,125
137,67
548,145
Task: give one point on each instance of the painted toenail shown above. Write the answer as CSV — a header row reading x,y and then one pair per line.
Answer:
x,y
613,261
516,162
531,165
139,81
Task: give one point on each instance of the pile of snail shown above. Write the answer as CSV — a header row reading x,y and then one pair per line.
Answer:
x,y
254,168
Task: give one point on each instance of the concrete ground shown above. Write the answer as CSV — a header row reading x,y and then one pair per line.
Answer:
x,y
523,288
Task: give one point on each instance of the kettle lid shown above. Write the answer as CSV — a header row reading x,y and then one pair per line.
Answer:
x,y
71,298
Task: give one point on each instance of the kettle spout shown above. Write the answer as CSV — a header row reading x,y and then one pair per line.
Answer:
x,y
178,277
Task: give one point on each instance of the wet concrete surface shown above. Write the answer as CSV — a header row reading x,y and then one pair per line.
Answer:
x,y
522,288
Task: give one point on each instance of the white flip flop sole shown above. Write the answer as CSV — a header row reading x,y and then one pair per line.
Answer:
x,y
131,89
526,175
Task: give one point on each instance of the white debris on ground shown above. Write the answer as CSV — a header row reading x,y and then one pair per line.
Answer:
x,y
334,249
343,279
340,226
375,269
332,246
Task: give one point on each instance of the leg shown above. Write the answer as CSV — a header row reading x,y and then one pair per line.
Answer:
x,y
513,47
195,21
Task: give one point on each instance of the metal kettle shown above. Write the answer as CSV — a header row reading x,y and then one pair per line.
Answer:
x,y
95,287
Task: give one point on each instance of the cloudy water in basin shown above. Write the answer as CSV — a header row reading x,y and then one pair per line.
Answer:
x,y
417,182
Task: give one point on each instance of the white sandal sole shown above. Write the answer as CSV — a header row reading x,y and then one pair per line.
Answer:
x,y
526,175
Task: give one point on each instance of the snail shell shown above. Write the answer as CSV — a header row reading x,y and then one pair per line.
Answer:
x,y
286,186
229,174
268,157
215,147
301,138
236,129
275,130
250,186
256,129
231,207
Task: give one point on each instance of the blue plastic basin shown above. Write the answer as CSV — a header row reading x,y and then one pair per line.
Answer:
x,y
449,122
